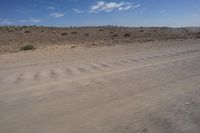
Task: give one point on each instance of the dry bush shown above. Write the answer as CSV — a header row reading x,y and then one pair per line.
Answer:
x,y
74,46
64,34
115,35
73,33
154,30
127,34
27,31
141,30
27,47
10,30
101,29
86,34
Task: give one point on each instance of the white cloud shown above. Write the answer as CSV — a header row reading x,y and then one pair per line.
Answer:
x,y
32,20
136,6
110,6
23,21
5,22
77,11
51,8
35,20
125,8
57,15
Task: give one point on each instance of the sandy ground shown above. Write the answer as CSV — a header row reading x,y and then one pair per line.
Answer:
x,y
13,38
145,88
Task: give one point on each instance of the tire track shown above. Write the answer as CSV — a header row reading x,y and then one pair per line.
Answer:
x,y
85,68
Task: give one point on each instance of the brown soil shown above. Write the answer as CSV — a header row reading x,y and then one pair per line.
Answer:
x,y
13,38
145,88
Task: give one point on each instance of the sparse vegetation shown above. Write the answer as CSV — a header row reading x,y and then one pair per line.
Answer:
x,y
27,31
86,34
64,34
127,34
27,47
101,29
73,33
11,31
115,35
154,30
141,30
74,46
18,35
94,44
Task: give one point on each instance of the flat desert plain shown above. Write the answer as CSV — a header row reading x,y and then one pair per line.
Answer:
x,y
100,80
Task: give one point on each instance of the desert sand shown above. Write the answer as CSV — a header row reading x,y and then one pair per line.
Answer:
x,y
134,87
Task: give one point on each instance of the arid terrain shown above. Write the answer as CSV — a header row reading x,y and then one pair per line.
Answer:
x,y
100,80
13,38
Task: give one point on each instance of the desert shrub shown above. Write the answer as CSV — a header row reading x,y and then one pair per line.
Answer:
x,y
64,34
74,46
27,47
16,28
73,33
101,29
111,32
86,34
141,30
10,30
115,35
27,31
154,30
127,34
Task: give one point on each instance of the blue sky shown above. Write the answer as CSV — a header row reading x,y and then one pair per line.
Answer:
x,y
175,13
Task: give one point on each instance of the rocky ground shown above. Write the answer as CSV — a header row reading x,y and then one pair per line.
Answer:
x,y
12,39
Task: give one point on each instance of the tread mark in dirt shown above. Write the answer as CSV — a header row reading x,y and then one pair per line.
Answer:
x,y
133,60
144,59
53,73
156,56
164,55
124,61
176,54
149,58
103,65
69,71
117,63
36,76
94,67
167,55
19,78
82,69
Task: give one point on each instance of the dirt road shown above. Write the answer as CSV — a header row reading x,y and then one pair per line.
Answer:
x,y
121,90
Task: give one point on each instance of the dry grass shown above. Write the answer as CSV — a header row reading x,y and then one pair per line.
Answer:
x,y
27,47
